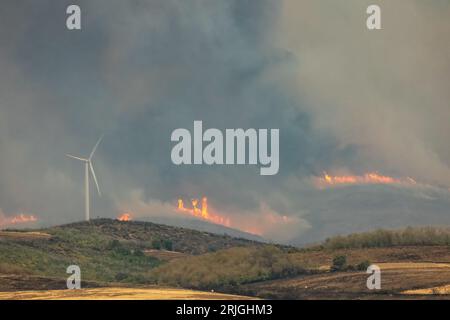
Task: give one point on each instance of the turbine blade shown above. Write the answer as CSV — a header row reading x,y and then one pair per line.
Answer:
x,y
78,158
95,178
95,147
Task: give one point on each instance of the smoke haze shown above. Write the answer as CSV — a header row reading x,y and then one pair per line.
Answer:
x,y
346,100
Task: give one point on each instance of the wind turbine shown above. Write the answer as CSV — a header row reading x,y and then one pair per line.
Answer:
x,y
88,166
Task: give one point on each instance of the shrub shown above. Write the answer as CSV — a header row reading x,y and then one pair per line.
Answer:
x,y
228,268
121,276
350,267
159,244
362,266
339,263
212,247
168,245
156,244
114,244
121,251
428,236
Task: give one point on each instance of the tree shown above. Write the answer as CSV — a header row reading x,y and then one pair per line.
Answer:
x,y
156,244
168,245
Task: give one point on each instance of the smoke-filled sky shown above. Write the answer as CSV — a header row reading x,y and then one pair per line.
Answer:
x,y
346,100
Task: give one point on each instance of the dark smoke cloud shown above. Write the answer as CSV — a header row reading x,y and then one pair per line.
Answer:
x,y
140,69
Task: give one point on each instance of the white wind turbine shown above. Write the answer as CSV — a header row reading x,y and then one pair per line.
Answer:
x,y
88,166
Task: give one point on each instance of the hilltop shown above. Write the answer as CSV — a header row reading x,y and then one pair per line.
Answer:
x,y
147,235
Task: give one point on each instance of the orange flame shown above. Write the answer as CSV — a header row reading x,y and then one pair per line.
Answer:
x,y
202,213
259,222
18,219
368,178
124,217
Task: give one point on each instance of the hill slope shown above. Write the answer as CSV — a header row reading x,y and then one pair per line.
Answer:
x,y
204,226
145,234
106,250
140,255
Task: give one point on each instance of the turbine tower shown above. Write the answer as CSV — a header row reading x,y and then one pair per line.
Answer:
x,y
88,167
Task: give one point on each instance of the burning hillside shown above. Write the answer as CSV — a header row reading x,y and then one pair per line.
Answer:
x,y
124,217
262,221
368,178
202,212
17,219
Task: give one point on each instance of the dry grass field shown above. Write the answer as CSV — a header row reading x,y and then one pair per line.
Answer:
x,y
423,254
406,273
442,290
14,235
119,294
